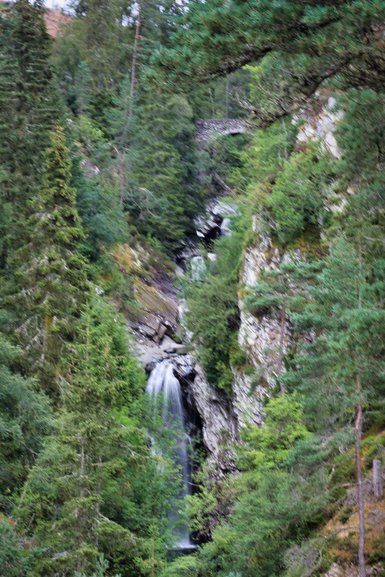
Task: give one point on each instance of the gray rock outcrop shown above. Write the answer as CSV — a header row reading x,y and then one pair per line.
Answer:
x,y
219,423
264,338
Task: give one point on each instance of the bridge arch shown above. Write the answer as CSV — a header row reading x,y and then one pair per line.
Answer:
x,y
209,129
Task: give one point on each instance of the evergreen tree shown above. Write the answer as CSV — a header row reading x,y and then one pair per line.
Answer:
x,y
163,195
93,54
27,111
13,561
275,499
34,100
296,200
24,422
81,499
343,365
360,136
8,75
299,46
104,32
50,270
98,194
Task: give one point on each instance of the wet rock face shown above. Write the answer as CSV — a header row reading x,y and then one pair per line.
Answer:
x,y
219,423
160,334
215,222
248,400
211,413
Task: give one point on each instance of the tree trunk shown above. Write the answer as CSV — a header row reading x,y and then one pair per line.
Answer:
x,y
280,349
82,468
360,496
133,66
130,112
378,485
82,493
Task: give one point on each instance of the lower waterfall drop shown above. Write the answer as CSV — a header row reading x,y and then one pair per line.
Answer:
x,y
163,384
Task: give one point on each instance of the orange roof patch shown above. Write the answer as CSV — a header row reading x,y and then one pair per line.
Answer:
x,y
55,21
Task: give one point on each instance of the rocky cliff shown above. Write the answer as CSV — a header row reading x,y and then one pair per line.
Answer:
x,y
266,338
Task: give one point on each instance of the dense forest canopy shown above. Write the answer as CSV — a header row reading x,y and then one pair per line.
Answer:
x,y
298,44
111,220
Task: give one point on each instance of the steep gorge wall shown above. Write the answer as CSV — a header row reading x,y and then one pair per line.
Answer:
x,y
159,334
266,338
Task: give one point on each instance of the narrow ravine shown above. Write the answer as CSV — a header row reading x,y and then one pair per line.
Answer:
x,y
188,411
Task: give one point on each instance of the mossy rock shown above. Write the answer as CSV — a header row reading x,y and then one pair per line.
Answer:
x,y
153,301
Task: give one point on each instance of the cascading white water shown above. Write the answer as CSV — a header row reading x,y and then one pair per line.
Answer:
x,y
198,268
163,385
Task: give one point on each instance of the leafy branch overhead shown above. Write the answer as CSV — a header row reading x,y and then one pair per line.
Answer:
x,y
300,46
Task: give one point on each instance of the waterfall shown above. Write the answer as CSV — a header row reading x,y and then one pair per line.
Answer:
x,y
164,388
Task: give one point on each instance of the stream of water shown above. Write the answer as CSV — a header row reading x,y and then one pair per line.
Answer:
x,y
165,393
164,388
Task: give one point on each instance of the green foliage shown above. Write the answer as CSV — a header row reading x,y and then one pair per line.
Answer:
x,y
25,420
30,105
276,503
93,54
284,489
213,319
97,181
213,309
269,519
185,566
361,134
263,160
269,446
229,158
299,45
85,496
13,560
101,569
49,268
163,194
343,311
202,505
283,288
297,197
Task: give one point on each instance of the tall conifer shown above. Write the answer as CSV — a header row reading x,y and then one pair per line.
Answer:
x,y
82,497
34,105
51,271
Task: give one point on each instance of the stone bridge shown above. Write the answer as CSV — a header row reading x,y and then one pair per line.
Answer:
x,y
207,130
